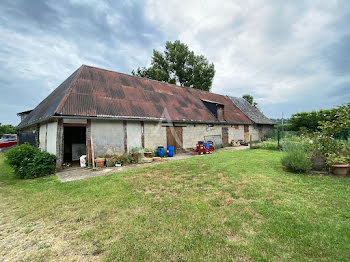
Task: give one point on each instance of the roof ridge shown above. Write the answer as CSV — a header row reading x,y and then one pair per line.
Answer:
x,y
184,87
64,99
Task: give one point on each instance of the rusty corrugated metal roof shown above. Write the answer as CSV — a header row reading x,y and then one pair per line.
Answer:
x,y
95,92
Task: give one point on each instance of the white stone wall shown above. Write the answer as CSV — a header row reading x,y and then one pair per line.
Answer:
x,y
254,132
155,135
236,134
51,137
194,133
108,137
134,135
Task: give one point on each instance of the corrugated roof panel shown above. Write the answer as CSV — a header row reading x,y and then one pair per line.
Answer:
x,y
97,92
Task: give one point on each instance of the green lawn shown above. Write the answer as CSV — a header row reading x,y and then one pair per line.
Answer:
x,y
229,206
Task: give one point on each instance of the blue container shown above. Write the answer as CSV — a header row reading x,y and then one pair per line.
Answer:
x,y
170,151
160,151
207,144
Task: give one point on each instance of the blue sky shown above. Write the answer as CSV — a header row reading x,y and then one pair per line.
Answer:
x,y
292,56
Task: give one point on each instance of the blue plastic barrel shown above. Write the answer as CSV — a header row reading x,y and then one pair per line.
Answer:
x,y
160,151
170,151
207,144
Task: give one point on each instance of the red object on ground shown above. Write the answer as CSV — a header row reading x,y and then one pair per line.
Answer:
x,y
202,150
7,144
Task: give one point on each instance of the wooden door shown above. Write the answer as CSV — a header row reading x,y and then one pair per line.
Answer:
x,y
174,137
225,135
246,133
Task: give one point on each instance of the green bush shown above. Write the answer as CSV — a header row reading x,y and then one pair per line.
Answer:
x,y
219,146
269,144
296,158
29,162
123,159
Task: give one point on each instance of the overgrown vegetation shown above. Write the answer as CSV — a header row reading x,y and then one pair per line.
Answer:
x,y
228,206
296,157
327,140
269,144
123,159
312,121
30,162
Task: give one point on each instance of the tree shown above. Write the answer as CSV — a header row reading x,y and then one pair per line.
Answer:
x,y
337,123
178,65
310,120
250,100
7,129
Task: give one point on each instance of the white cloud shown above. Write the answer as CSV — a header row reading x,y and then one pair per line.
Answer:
x,y
269,49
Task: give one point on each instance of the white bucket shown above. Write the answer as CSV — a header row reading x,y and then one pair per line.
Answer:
x,y
83,161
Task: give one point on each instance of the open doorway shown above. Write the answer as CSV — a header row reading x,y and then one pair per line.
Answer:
x,y
74,144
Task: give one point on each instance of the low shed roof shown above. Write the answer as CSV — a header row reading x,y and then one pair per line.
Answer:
x,y
95,92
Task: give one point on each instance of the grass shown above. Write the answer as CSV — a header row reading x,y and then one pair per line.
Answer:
x,y
229,206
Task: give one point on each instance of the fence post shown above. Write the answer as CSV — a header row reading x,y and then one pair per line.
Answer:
x,y
278,139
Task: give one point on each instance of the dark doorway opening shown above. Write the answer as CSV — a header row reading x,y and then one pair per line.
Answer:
x,y
74,143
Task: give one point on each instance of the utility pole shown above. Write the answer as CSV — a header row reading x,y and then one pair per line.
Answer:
x,y
282,122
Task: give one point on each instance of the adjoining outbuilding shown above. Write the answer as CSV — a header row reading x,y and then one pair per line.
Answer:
x,y
262,125
121,112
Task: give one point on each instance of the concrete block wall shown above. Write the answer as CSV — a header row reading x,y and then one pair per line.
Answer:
x,y
155,135
194,133
198,132
108,137
133,135
254,132
236,134
268,130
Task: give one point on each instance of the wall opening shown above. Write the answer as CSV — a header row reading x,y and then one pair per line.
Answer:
x,y
216,109
74,143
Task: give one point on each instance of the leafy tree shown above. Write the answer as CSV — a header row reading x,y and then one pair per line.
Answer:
x,y
336,123
7,129
179,65
336,126
250,99
310,120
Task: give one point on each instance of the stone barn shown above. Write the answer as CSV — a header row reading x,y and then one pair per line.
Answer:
x,y
120,112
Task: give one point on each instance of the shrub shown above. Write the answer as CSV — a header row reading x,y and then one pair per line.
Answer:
x,y
296,158
219,146
20,155
334,158
123,159
29,162
269,144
